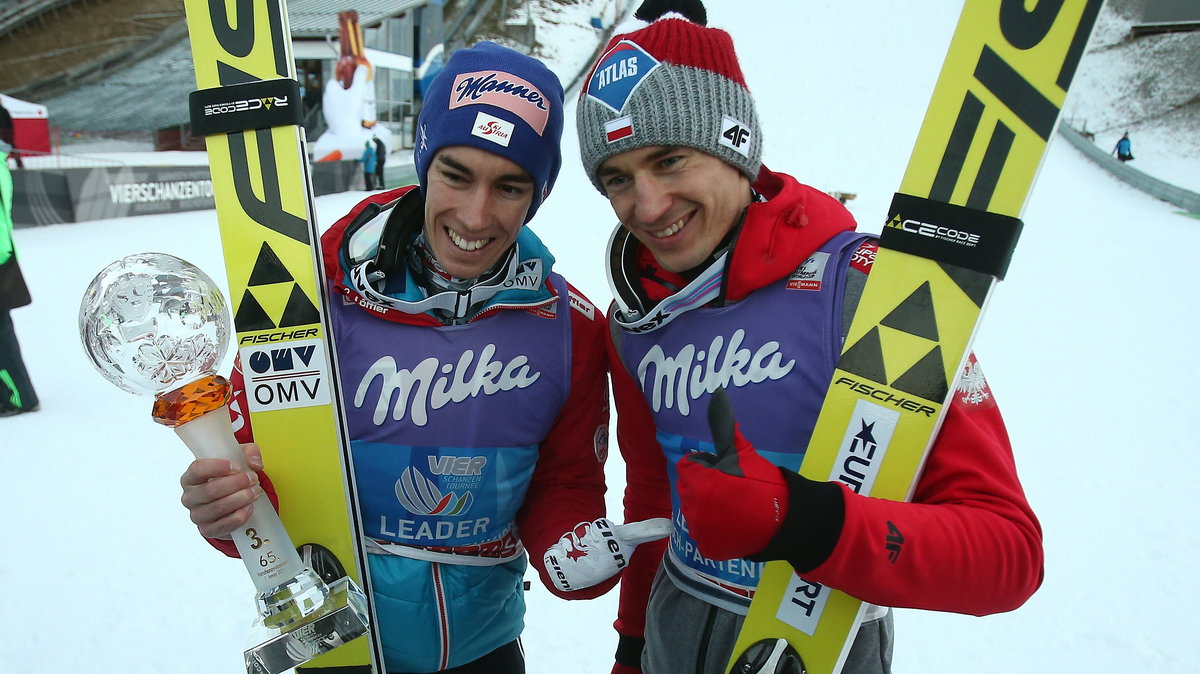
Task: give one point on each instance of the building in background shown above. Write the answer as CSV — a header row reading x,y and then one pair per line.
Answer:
x,y
31,127
400,39
1169,16
130,84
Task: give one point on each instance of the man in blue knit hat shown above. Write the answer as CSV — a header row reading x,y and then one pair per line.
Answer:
x,y
475,383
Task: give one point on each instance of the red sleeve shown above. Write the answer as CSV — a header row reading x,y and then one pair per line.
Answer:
x,y
647,492
567,486
242,432
968,543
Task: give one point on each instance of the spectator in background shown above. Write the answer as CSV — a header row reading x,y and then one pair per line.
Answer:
x,y
368,161
6,137
16,391
1124,149
312,92
380,160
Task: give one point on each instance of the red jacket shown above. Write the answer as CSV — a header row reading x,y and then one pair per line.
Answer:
x,y
567,486
974,544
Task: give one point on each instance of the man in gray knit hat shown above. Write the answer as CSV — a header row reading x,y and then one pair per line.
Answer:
x,y
733,287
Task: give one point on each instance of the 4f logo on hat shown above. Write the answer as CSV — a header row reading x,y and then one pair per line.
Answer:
x,y
735,136
618,73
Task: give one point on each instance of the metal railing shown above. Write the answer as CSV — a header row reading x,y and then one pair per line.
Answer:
x,y
38,160
15,13
1160,189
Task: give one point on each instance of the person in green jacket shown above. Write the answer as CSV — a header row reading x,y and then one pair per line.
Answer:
x,y
16,390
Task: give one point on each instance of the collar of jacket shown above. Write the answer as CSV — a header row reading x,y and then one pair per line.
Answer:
x,y
374,242
777,235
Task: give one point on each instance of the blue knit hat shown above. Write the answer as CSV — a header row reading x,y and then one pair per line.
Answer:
x,y
497,100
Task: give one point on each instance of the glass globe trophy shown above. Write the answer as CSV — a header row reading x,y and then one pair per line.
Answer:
x,y
154,324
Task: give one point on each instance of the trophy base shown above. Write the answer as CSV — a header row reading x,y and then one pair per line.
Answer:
x,y
342,618
294,600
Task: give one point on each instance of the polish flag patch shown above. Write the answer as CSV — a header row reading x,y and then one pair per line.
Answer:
x,y
621,127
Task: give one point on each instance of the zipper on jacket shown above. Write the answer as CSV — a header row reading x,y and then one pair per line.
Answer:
x,y
443,618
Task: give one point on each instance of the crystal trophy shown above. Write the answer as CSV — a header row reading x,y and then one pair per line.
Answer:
x,y
154,324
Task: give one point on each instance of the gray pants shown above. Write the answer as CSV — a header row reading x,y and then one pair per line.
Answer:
x,y
685,635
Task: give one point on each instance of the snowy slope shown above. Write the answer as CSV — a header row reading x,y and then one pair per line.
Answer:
x,y
105,573
1147,86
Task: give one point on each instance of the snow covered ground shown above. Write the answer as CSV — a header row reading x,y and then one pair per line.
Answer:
x,y
1085,346
1145,86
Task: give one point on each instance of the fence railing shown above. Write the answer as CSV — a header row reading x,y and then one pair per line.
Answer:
x,y
1161,189
35,159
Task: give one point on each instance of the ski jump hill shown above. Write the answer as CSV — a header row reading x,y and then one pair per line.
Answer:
x,y
1161,189
69,54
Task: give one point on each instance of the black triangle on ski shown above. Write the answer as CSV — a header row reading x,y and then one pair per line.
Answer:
x,y
251,316
865,358
926,379
299,310
973,284
268,269
915,314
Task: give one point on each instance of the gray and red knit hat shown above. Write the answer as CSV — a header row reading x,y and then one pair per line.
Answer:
x,y
672,81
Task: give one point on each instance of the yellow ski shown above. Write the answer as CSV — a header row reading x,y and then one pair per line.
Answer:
x,y
244,70
947,240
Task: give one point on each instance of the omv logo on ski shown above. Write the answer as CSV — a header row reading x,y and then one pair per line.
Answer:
x,y
285,376
619,72
421,496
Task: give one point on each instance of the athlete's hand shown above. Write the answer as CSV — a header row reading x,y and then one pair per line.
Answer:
x,y
735,500
219,495
593,552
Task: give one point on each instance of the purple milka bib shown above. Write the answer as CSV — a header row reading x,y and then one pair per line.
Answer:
x,y
446,422
774,352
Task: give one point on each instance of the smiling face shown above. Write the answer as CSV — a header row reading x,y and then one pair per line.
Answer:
x,y
677,201
475,205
